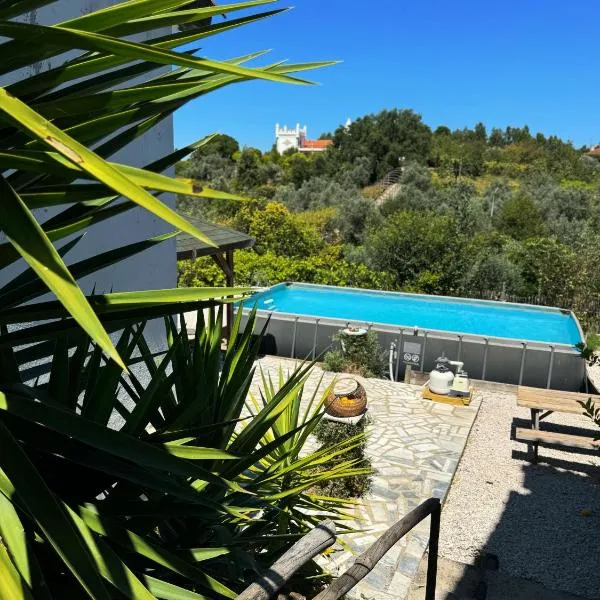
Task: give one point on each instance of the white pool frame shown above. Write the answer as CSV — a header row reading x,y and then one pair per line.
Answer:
x,y
487,358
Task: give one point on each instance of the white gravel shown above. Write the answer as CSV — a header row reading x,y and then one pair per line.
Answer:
x,y
528,515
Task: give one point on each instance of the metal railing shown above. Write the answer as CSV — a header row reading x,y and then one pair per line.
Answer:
x,y
404,331
324,535
367,561
390,179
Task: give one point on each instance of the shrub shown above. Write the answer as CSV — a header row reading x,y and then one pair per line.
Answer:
x,y
157,479
361,355
331,433
125,478
589,349
326,268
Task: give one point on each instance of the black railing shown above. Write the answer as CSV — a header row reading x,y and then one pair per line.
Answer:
x,y
367,561
323,536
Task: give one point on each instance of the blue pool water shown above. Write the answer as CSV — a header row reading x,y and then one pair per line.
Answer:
x,y
493,319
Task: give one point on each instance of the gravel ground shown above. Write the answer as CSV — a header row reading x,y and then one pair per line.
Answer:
x,y
530,516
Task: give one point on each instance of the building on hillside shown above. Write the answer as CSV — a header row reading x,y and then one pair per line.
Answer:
x,y
286,138
594,151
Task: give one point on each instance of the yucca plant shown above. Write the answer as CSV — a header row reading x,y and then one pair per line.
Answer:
x,y
186,495
291,472
59,128
122,474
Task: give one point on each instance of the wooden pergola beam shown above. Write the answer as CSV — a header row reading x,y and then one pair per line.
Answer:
x,y
226,264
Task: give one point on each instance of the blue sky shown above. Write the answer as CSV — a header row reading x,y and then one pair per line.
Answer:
x,y
514,62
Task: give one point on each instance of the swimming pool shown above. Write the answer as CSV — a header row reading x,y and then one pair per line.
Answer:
x,y
478,317
497,341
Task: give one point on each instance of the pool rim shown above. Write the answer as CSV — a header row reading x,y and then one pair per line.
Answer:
x,y
399,327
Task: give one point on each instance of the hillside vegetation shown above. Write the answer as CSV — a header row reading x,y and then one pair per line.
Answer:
x,y
500,213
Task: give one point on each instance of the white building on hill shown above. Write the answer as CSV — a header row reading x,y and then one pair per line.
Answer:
x,y
297,138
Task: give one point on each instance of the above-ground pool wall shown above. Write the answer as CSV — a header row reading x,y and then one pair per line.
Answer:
x,y
497,360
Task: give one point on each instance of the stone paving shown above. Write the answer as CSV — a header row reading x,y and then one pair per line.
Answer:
x,y
415,446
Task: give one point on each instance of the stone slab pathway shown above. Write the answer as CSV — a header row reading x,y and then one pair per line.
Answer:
x,y
415,446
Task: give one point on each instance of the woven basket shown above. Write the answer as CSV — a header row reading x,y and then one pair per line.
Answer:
x,y
347,399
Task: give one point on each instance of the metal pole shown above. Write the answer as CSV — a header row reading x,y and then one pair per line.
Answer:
x,y
434,536
399,349
314,350
485,354
550,368
522,363
294,337
424,348
460,338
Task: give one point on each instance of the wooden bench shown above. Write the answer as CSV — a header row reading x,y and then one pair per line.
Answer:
x,y
544,402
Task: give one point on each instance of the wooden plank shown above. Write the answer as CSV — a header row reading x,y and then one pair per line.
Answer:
x,y
552,400
446,399
531,391
568,406
556,439
320,538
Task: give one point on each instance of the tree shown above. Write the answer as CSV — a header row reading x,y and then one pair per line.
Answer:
x,y
220,144
493,272
385,138
460,200
515,135
548,268
442,130
275,230
408,243
354,215
494,197
459,153
415,193
496,138
212,169
520,218
417,176
355,175
298,168
480,132
249,171
317,192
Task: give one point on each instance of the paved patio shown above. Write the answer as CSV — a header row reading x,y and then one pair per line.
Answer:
x,y
415,446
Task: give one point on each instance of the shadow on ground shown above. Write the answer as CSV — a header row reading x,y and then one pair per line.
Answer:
x,y
550,542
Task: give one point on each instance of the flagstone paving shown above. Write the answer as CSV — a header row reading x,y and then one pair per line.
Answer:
x,y
415,446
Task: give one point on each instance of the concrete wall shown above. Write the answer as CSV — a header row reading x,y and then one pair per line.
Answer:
x,y
153,269
502,363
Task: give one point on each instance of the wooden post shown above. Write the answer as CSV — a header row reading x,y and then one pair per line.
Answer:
x,y
230,278
535,424
226,264
320,538
407,373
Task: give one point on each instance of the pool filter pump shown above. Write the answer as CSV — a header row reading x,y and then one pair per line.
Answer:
x,y
460,385
443,381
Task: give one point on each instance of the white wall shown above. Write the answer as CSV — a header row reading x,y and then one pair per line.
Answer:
x,y
153,269
286,142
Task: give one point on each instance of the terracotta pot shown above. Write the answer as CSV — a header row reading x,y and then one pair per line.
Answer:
x,y
347,399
